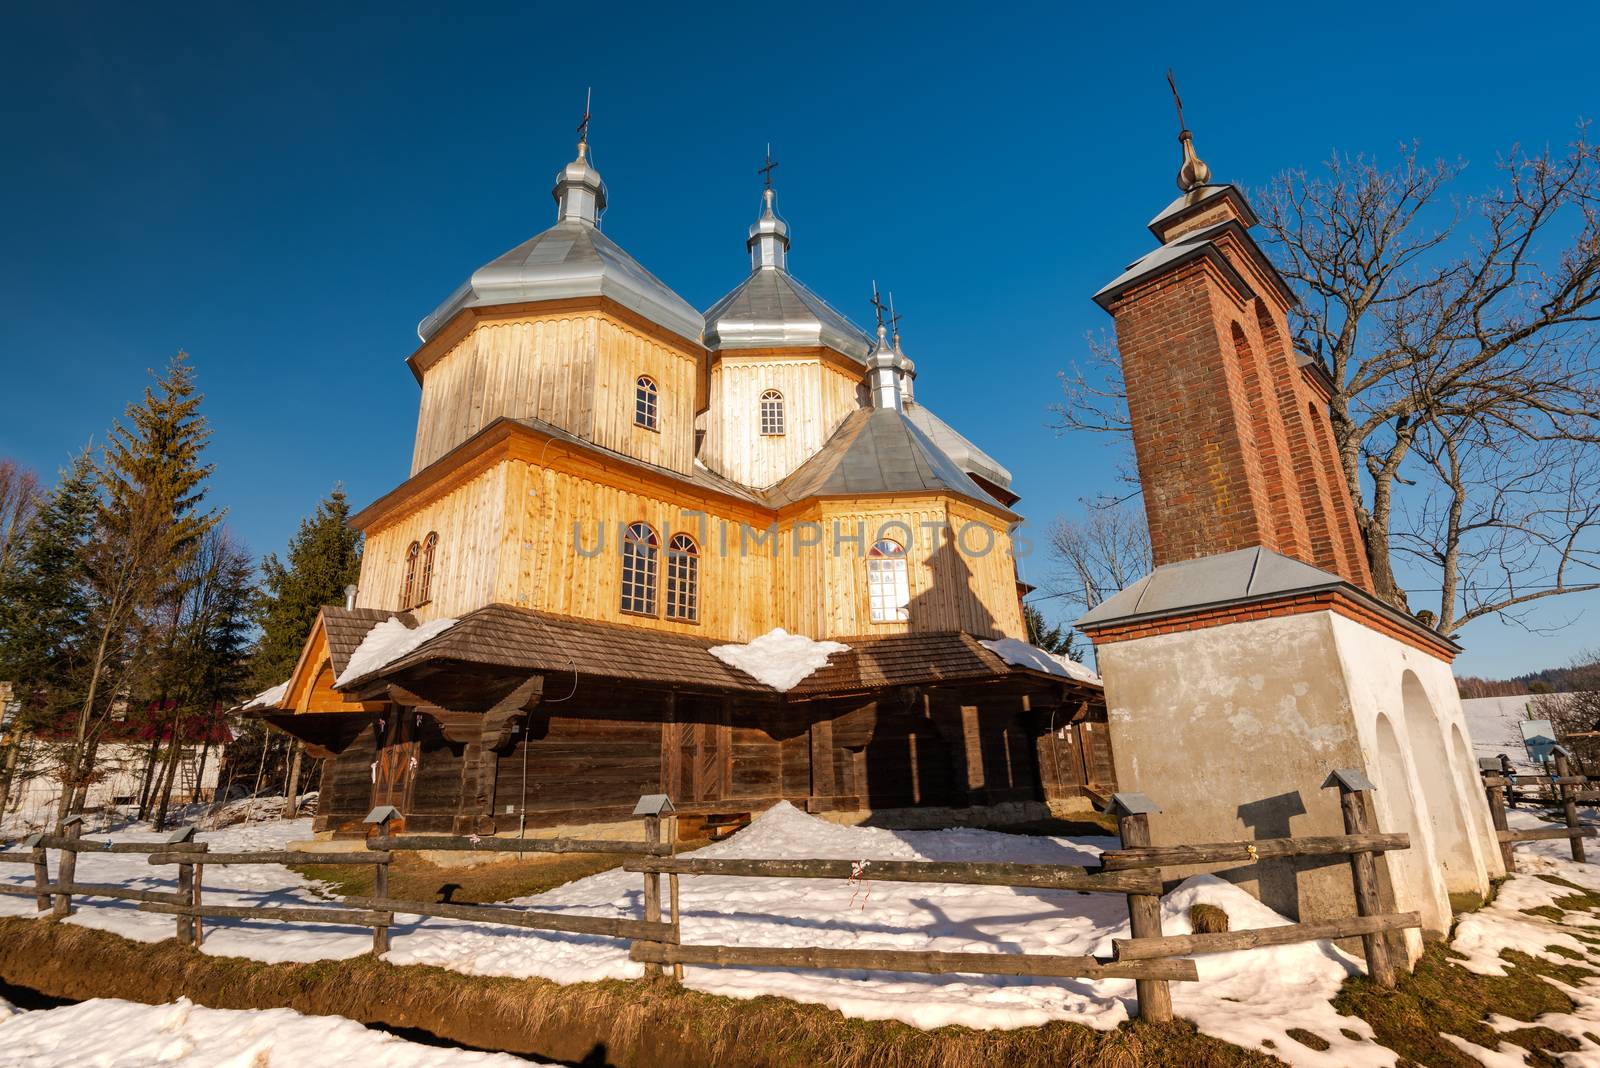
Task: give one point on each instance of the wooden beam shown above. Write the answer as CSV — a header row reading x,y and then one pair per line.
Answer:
x,y
929,962
1250,852
1038,876
1182,945
285,856
607,926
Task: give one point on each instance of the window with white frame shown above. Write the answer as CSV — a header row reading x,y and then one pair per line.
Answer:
x,y
888,591
772,413
683,579
639,559
646,398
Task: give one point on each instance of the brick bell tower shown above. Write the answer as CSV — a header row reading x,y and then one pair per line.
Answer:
x,y
1254,659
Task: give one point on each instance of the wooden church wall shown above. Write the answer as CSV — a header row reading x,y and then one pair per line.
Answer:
x,y
817,398
346,787
574,370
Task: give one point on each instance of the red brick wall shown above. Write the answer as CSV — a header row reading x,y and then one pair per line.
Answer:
x,y
1232,440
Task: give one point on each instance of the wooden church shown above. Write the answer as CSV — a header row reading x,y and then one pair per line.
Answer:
x,y
614,499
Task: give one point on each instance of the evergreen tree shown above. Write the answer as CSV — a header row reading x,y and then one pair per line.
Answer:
x,y
1057,639
324,556
45,629
149,525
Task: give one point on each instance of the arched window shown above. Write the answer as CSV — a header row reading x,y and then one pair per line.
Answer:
x,y
683,579
888,593
639,551
772,412
425,586
645,396
410,586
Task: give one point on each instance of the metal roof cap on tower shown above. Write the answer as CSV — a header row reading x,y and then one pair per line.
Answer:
x,y
771,308
571,259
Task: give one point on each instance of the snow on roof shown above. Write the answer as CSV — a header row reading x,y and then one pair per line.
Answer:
x,y
271,697
1019,653
386,643
777,658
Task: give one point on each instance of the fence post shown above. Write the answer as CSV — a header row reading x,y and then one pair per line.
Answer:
x,y
652,807
197,929
1353,790
1495,788
185,926
1133,813
1568,801
380,818
67,868
41,870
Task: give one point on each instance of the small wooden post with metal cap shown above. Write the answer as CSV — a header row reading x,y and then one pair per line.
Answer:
x,y
652,807
1494,786
1569,801
1133,812
185,926
41,870
67,869
379,819
1354,791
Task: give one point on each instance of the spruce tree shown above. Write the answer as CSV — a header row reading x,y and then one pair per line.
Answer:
x,y
45,629
1057,639
324,556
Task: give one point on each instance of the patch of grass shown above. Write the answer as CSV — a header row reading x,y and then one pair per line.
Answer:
x,y
1354,1036
1208,919
1310,1039
1441,997
1549,912
414,879
1466,901
634,1024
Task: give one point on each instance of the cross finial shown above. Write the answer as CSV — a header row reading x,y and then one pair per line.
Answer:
x,y
894,322
877,304
1177,100
583,125
766,172
1194,172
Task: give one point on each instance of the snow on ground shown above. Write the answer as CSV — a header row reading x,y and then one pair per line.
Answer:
x,y
1019,653
1494,725
109,1033
777,658
386,643
1244,997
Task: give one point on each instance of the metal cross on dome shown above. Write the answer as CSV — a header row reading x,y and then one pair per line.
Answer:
x,y
1177,100
766,172
583,126
877,301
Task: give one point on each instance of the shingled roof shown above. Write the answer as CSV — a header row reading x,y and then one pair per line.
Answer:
x,y
346,627
519,639
877,450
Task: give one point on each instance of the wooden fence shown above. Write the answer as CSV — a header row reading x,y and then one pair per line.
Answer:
x,y
1136,871
1563,788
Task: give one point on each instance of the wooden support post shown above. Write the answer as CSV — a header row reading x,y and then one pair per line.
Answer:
x,y
380,879
41,876
652,883
185,932
677,928
1364,872
1144,914
1569,802
1497,813
197,932
67,868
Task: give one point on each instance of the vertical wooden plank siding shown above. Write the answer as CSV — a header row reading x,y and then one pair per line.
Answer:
x,y
575,370
817,397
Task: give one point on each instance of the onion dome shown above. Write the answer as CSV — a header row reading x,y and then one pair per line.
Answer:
x,y
571,259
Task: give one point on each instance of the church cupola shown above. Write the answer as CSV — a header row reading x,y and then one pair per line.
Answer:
x,y
908,369
580,194
886,367
769,237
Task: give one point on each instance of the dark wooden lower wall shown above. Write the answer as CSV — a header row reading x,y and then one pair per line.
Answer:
x,y
591,757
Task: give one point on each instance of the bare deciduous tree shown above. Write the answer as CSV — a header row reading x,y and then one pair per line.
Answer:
x,y
1461,340
1098,555
19,499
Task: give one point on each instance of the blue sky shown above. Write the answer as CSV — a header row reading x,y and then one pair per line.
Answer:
x,y
283,192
